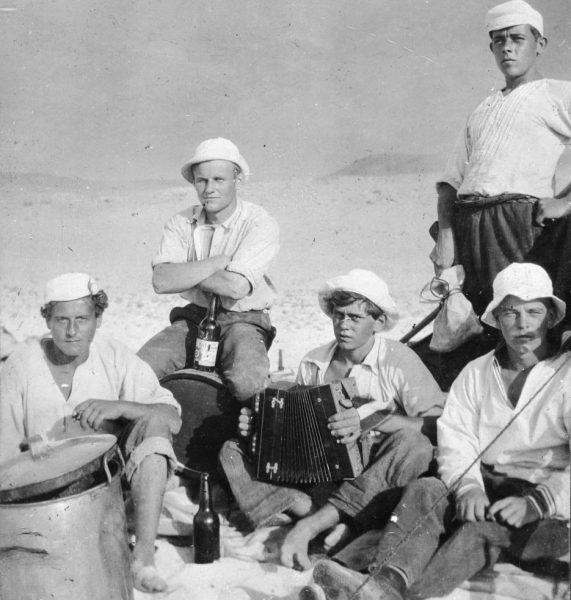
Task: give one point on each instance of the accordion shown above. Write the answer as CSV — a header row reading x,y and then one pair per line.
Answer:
x,y
292,443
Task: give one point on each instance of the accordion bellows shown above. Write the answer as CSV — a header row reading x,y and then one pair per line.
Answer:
x,y
292,443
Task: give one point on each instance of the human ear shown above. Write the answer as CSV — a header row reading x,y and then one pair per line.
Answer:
x,y
380,323
541,45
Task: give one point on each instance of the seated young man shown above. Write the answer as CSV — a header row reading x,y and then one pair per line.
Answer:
x,y
503,454
224,247
398,403
76,382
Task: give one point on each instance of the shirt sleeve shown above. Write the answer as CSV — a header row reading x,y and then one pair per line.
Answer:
x,y
458,440
176,240
456,165
419,395
305,373
12,426
140,384
553,493
258,247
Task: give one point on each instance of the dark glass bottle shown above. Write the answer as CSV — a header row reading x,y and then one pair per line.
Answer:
x,y
208,339
206,526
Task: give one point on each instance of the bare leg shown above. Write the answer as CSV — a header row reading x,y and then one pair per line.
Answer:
x,y
147,489
294,549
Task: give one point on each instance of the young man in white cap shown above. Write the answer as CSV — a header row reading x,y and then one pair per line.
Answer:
x,y
394,419
75,382
223,246
497,202
503,456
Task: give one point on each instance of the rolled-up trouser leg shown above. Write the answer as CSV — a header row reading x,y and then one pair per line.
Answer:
x,y
145,437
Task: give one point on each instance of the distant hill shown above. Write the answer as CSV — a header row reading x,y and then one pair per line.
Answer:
x,y
393,164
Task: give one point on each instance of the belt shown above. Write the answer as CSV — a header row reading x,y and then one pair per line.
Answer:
x,y
475,200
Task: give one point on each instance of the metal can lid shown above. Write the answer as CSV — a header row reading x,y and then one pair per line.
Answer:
x,y
61,463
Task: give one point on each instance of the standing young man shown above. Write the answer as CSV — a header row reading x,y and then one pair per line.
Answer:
x,y
76,382
394,419
497,204
503,457
223,247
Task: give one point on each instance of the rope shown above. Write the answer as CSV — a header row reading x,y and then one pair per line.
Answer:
x,y
454,484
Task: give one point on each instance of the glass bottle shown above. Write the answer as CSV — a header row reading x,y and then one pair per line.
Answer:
x,y
208,339
206,526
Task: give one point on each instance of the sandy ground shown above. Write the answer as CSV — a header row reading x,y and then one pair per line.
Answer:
x,y
328,226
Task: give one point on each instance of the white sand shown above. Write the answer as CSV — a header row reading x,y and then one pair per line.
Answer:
x,y
327,227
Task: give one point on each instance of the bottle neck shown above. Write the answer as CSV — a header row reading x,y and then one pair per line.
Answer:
x,y
212,307
204,498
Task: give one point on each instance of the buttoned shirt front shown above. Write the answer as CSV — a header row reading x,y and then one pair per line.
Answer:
x,y
390,378
250,237
512,143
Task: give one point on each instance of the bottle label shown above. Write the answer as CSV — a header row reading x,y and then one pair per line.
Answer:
x,y
205,353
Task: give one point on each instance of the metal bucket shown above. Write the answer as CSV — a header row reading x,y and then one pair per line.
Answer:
x,y
70,548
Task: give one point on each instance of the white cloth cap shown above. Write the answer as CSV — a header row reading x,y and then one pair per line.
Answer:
x,y
215,149
365,283
70,286
525,281
510,14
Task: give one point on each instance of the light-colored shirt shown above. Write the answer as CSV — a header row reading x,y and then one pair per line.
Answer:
x,y
534,447
390,378
250,237
32,403
512,143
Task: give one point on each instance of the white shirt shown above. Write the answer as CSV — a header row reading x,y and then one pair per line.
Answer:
x,y
250,236
31,402
534,447
390,378
512,143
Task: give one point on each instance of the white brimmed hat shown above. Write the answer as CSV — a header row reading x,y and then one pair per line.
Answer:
x,y
525,281
70,286
365,283
215,149
510,14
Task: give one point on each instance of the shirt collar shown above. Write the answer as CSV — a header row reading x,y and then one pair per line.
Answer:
x,y
198,215
323,359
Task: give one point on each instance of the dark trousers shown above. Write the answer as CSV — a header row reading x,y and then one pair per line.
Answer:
x,y
437,553
491,236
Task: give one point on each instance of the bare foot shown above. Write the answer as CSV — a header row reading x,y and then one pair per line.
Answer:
x,y
146,578
145,575
294,549
339,535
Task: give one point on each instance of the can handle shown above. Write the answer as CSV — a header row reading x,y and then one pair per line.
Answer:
x,y
111,454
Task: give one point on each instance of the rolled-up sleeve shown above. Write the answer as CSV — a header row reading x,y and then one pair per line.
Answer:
x,y
258,247
175,242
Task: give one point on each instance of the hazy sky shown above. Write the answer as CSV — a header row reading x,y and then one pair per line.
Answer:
x,y
122,89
